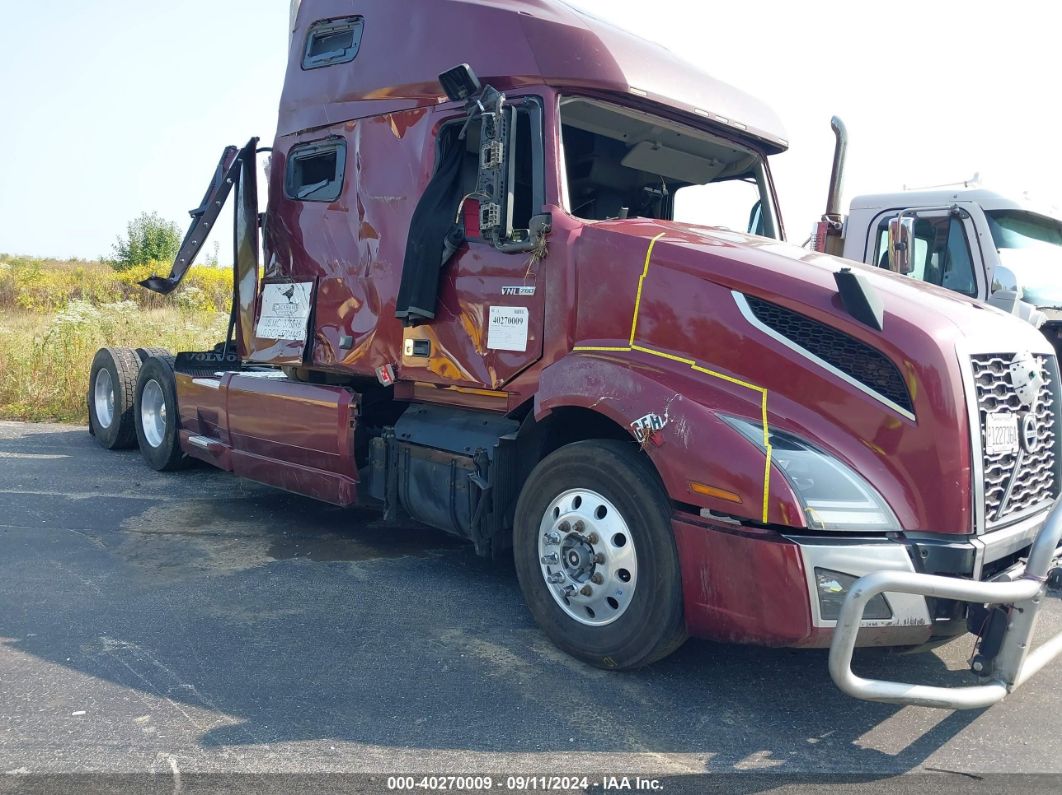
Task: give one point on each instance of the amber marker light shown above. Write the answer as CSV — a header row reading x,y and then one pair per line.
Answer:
x,y
711,491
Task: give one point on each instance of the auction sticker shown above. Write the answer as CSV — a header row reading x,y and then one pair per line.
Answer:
x,y
508,328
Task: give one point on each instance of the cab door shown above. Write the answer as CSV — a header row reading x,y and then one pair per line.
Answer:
x,y
489,318
947,250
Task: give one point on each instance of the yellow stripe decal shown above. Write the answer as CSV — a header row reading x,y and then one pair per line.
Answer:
x,y
641,281
693,365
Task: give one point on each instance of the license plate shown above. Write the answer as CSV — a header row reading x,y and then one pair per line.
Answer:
x,y
1001,434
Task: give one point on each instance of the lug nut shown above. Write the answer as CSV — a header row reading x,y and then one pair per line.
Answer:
x,y
552,538
550,559
579,526
564,527
569,591
556,578
593,538
599,558
586,590
597,579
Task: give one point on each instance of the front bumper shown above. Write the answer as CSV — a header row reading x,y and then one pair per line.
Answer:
x,y
1011,662
745,584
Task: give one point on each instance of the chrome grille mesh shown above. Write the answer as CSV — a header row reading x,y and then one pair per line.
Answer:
x,y
1034,474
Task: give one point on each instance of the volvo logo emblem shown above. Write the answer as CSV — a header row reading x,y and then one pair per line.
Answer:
x,y
1030,433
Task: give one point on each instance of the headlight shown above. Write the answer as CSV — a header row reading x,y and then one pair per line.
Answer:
x,y
832,495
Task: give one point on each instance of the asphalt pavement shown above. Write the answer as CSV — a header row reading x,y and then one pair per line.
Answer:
x,y
192,623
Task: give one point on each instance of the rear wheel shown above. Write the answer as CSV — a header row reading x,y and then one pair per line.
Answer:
x,y
596,557
146,353
156,415
111,392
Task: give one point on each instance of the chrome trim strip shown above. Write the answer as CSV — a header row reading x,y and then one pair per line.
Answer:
x,y
746,311
202,442
210,383
964,355
1007,540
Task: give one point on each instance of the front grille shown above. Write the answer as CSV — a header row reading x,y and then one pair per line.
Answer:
x,y
1031,478
852,357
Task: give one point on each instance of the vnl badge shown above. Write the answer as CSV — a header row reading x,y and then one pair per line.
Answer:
x,y
645,427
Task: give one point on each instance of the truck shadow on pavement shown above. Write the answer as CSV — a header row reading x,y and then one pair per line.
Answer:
x,y
245,617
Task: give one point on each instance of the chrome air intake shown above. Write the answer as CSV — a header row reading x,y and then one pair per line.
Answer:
x,y
857,362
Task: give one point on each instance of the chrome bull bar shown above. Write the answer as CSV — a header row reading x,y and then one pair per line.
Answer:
x,y
1013,665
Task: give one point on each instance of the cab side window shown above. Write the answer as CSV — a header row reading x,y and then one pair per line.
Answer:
x,y
941,256
332,41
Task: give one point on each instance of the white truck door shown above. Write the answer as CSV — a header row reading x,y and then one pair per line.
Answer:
x,y
947,249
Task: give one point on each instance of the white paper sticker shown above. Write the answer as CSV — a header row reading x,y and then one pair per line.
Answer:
x,y
285,311
508,328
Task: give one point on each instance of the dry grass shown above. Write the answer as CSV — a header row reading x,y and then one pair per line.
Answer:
x,y
43,285
54,316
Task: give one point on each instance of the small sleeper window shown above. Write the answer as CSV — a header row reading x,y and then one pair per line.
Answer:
x,y
333,41
315,171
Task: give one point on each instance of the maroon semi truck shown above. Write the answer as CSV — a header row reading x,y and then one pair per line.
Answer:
x,y
523,278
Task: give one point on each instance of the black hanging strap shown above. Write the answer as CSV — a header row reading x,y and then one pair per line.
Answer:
x,y
434,237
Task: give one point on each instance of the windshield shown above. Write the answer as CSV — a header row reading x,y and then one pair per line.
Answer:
x,y
1030,246
623,163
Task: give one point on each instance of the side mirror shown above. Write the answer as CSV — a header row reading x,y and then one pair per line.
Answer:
x,y
1004,280
460,83
495,182
901,244
496,166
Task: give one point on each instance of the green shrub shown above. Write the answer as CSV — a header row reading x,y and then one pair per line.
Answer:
x,y
149,238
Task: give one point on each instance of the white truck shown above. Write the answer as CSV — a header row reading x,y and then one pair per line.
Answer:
x,y
1003,250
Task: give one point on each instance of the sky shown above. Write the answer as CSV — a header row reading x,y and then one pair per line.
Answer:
x,y
115,107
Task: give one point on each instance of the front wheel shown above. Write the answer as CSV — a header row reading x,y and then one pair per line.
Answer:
x,y
156,415
596,557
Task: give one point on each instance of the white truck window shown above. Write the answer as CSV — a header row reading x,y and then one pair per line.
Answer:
x,y
941,256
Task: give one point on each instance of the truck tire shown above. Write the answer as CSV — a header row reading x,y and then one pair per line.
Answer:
x,y
111,392
146,353
596,558
157,417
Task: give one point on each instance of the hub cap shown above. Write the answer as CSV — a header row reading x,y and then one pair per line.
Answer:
x,y
153,413
103,397
587,557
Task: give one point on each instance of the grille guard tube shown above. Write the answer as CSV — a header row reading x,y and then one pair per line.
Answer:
x,y
1012,666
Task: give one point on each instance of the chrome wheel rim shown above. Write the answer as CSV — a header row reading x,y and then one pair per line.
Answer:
x,y
153,413
103,397
587,556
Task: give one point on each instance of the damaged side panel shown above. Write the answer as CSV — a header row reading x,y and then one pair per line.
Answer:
x,y
687,442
